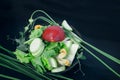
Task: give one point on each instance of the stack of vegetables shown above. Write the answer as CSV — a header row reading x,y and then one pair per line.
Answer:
x,y
47,49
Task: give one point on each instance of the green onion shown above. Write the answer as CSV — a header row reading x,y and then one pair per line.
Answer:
x,y
59,76
103,53
8,77
100,61
41,11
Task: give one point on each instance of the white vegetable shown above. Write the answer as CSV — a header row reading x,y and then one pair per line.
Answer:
x,y
53,62
36,47
64,62
72,52
38,52
58,69
63,53
66,25
68,43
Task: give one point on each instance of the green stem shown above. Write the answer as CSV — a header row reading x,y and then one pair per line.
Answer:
x,y
43,18
20,68
101,61
17,70
59,76
43,13
103,53
8,77
38,73
98,50
8,51
30,69
8,57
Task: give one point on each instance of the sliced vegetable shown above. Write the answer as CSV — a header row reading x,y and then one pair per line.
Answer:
x,y
36,46
72,52
63,53
64,62
53,62
58,69
66,25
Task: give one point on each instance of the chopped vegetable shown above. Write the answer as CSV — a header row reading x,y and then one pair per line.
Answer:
x,y
64,62
62,54
37,47
72,52
53,62
66,25
46,63
58,69
22,56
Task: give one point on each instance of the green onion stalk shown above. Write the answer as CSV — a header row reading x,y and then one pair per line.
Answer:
x,y
12,63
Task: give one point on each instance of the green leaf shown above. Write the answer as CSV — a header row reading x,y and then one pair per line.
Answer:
x,y
37,63
36,33
22,56
51,45
49,53
46,62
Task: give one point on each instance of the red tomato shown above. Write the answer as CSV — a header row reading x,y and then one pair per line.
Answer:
x,y
53,34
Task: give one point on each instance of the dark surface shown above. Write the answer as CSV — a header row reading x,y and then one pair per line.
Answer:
x,y
98,22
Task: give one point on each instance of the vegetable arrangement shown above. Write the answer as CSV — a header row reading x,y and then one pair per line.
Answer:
x,y
43,50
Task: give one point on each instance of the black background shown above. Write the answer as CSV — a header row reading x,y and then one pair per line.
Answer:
x,y
98,21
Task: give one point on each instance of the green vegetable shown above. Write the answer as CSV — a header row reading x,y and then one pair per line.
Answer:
x,y
37,63
52,45
22,56
49,53
36,33
46,63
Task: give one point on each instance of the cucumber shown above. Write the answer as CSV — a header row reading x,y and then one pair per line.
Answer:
x,y
36,47
66,25
73,50
53,62
58,69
